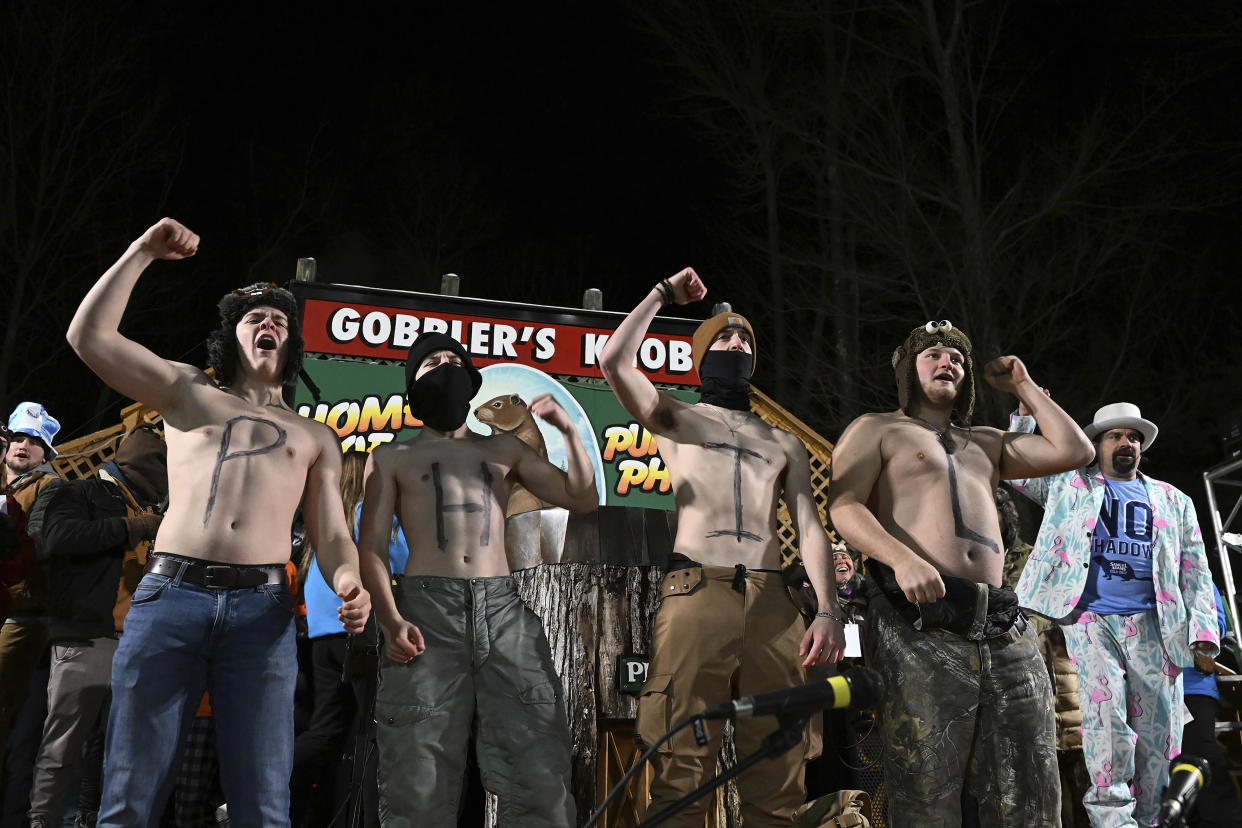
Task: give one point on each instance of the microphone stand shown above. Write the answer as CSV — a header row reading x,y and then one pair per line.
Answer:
x,y
787,734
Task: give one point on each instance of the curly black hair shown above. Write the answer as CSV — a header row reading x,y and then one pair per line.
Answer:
x,y
222,343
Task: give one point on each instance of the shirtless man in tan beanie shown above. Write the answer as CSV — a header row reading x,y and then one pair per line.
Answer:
x,y
727,626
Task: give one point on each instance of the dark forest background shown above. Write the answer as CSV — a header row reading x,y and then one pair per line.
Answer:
x,y
1060,179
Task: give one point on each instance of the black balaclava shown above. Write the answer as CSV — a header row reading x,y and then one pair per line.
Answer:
x,y
724,378
222,353
441,397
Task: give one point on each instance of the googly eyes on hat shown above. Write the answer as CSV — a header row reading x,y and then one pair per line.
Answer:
x,y
943,326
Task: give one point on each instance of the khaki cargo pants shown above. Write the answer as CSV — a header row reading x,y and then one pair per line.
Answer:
x,y
711,643
488,664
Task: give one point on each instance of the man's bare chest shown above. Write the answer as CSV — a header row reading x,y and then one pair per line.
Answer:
x,y
913,452
253,439
458,476
719,447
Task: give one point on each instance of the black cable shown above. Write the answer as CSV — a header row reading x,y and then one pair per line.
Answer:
x,y
647,754
786,735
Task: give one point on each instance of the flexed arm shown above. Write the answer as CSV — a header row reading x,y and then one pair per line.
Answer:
x,y
574,488
1060,445
636,393
1035,488
94,333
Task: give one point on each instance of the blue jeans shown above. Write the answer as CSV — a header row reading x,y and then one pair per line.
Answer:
x,y
180,639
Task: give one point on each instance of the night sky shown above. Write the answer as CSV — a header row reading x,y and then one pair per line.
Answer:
x,y
556,116
548,147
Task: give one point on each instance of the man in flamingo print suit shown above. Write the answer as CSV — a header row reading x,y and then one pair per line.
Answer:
x,y
1119,563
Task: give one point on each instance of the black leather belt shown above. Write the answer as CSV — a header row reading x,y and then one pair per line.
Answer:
x,y
215,575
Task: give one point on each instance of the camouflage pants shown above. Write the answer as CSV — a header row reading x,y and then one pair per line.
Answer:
x,y
488,664
959,712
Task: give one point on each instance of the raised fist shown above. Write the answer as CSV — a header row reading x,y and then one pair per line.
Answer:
x,y
687,287
1005,373
547,409
169,239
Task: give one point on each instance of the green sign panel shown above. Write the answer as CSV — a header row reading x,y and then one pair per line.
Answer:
x,y
364,403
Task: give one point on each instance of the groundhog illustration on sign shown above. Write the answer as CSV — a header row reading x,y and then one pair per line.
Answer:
x,y
508,414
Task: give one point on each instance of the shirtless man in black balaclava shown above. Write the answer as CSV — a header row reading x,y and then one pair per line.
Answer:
x,y
464,652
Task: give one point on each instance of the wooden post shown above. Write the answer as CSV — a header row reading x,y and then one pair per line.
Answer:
x,y
306,270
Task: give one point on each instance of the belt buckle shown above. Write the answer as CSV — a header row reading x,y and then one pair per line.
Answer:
x,y
219,577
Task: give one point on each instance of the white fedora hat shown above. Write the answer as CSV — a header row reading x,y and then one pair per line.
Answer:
x,y
1122,415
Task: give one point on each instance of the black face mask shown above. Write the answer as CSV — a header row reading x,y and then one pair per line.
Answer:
x,y
441,397
724,378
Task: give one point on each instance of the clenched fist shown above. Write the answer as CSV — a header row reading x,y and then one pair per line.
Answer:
x,y
169,239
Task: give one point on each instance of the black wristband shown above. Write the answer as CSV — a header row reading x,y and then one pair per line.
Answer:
x,y
665,287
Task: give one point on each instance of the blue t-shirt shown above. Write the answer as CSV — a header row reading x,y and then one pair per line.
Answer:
x,y
1120,581
321,601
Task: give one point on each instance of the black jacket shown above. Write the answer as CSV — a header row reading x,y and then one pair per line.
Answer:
x,y
82,539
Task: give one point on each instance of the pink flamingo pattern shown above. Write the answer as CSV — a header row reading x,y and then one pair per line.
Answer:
x,y
1131,631
1063,559
1171,752
1134,710
1085,619
1099,695
1169,669
1104,778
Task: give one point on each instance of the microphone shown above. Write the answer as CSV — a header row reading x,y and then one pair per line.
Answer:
x,y
860,687
1187,776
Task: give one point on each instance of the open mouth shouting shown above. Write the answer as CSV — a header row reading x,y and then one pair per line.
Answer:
x,y
266,343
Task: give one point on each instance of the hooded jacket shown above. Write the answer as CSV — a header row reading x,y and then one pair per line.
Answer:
x,y
80,534
23,578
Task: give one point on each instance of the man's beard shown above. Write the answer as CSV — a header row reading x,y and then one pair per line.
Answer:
x,y
1124,463
22,466
938,394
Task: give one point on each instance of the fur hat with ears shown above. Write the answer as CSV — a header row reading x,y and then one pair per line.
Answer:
x,y
222,344
941,334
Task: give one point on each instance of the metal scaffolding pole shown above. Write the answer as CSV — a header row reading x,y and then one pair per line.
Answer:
x,y
1227,475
